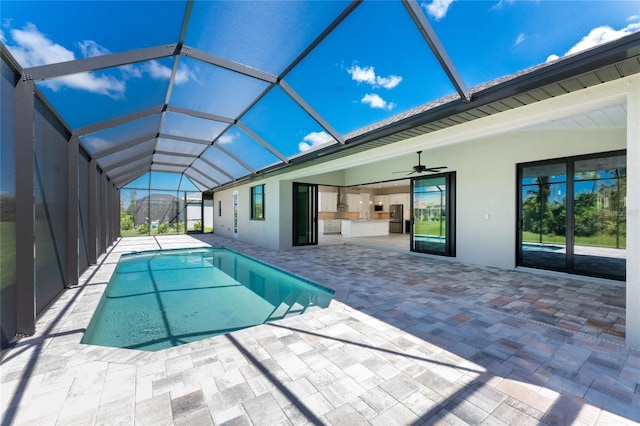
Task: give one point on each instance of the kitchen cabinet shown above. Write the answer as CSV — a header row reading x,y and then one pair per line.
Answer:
x,y
365,228
329,226
328,201
359,203
382,200
399,199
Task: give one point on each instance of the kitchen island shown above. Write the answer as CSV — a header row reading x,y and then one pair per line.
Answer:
x,y
365,227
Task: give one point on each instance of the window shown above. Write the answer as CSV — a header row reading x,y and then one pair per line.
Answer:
x,y
433,214
257,202
572,215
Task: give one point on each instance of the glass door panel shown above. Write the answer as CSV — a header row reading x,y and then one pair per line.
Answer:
x,y
305,214
599,216
432,213
572,215
543,240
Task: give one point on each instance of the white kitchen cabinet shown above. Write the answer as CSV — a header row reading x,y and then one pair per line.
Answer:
x,y
330,226
328,201
382,200
365,228
402,198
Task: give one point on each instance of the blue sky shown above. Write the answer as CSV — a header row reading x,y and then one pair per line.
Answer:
x,y
373,66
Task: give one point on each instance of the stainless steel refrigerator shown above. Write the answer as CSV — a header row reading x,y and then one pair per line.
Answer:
x,y
395,218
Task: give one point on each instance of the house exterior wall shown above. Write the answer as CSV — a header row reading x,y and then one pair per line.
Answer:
x,y
484,154
633,215
265,233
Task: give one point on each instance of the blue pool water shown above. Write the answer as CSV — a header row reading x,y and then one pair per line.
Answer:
x,y
159,299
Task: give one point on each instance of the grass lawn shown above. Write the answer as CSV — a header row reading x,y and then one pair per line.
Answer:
x,y
8,250
135,233
592,241
429,227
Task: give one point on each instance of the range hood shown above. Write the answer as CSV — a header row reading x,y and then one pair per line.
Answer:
x,y
341,203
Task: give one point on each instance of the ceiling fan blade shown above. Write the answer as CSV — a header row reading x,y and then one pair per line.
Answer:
x,y
435,169
402,171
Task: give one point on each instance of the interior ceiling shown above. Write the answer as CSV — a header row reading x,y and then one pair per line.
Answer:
x,y
187,130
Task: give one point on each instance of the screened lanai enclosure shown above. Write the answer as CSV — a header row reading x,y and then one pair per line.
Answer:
x,y
115,127
213,92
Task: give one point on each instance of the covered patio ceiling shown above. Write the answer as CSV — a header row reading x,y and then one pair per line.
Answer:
x,y
220,91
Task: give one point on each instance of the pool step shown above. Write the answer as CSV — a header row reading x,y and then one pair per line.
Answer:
x,y
295,304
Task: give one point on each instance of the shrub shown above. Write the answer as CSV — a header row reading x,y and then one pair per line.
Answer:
x,y
126,222
165,228
179,227
143,228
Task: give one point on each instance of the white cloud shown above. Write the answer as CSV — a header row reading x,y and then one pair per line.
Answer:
x,y
227,138
157,70
521,37
500,4
600,35
368,75
90,48
314,140
375,101
438,8
552,57
184,74
102,85
97,145
161,72
32,48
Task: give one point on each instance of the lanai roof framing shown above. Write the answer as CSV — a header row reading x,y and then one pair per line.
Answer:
x,y
129,166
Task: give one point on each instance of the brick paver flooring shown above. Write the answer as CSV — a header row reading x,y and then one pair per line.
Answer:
x,y
407,340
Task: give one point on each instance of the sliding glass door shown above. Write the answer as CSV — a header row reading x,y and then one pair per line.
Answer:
x,y
572,215
599,216
543,197
305,214
433,214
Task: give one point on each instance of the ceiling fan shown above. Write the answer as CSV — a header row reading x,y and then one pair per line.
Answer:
x,y
420,168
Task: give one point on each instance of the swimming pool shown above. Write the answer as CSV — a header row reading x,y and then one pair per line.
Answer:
x,y
164,298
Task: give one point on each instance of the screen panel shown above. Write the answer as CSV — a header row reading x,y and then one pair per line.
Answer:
x,y
51,192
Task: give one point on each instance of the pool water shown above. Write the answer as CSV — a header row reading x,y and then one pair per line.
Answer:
x,y
159,299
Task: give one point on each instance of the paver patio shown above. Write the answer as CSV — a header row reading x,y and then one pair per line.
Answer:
x,y
407,340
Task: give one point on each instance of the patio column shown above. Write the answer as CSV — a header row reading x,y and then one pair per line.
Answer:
x,y
72,211
92,241
633,216
104,212
25,211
